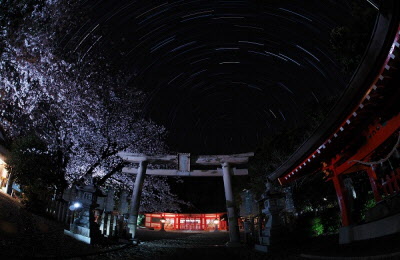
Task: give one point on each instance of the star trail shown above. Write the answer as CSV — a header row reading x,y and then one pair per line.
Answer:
x,y
221,75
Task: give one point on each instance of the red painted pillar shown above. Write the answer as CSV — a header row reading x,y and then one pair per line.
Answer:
x,y
343,204
372,179
389,184
394,181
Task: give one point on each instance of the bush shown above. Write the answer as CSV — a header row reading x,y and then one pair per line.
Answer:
x,y
331,220
317,226
312,224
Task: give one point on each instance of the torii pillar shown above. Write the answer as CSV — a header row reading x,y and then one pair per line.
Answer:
x,y
234,235
135,202
184,161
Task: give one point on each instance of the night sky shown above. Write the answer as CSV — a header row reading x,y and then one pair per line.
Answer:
x,y
221,75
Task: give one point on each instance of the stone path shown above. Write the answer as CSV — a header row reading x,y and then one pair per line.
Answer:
x,y
181,245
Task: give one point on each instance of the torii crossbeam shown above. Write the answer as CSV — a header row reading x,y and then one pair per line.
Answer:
x,y
185,166
185,161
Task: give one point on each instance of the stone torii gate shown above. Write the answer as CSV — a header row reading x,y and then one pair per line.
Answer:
x,y
184,161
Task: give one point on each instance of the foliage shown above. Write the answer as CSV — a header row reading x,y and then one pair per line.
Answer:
x,y
274,150
317,223
317,227
325,223
331,220
277,148
367,204
349,41
140,219
34,168
313,192
362,198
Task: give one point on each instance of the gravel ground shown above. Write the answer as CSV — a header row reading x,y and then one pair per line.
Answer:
x,y
186,245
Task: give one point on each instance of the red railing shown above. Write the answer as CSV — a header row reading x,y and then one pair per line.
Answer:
x,y
390,184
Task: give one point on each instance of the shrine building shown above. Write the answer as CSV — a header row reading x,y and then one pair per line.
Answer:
x,y
189,222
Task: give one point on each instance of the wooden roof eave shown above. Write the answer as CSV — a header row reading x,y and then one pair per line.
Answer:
x,y
386,26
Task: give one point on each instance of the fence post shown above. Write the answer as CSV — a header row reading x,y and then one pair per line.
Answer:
x,y
114,233
120,225
108,224
67,216
72,218
53,208
102,221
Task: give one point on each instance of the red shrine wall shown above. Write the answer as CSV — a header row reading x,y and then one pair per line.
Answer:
x,y
175,221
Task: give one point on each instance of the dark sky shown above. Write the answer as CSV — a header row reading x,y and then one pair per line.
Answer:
x,y
206,194
220,75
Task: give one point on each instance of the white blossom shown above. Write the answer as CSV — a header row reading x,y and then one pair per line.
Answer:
x,y
76,112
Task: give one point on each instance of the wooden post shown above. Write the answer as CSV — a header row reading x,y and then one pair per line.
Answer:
x,y
135,202
343,204
230,206
372,179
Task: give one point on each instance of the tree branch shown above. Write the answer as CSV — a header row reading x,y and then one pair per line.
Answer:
x,y
112,172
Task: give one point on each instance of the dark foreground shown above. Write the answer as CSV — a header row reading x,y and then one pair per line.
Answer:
x,y
183,245
26,236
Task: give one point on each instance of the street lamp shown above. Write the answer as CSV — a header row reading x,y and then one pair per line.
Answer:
x,y
162,220
75,206
216,221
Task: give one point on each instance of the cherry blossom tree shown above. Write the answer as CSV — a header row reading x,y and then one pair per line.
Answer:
x,y
77,109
